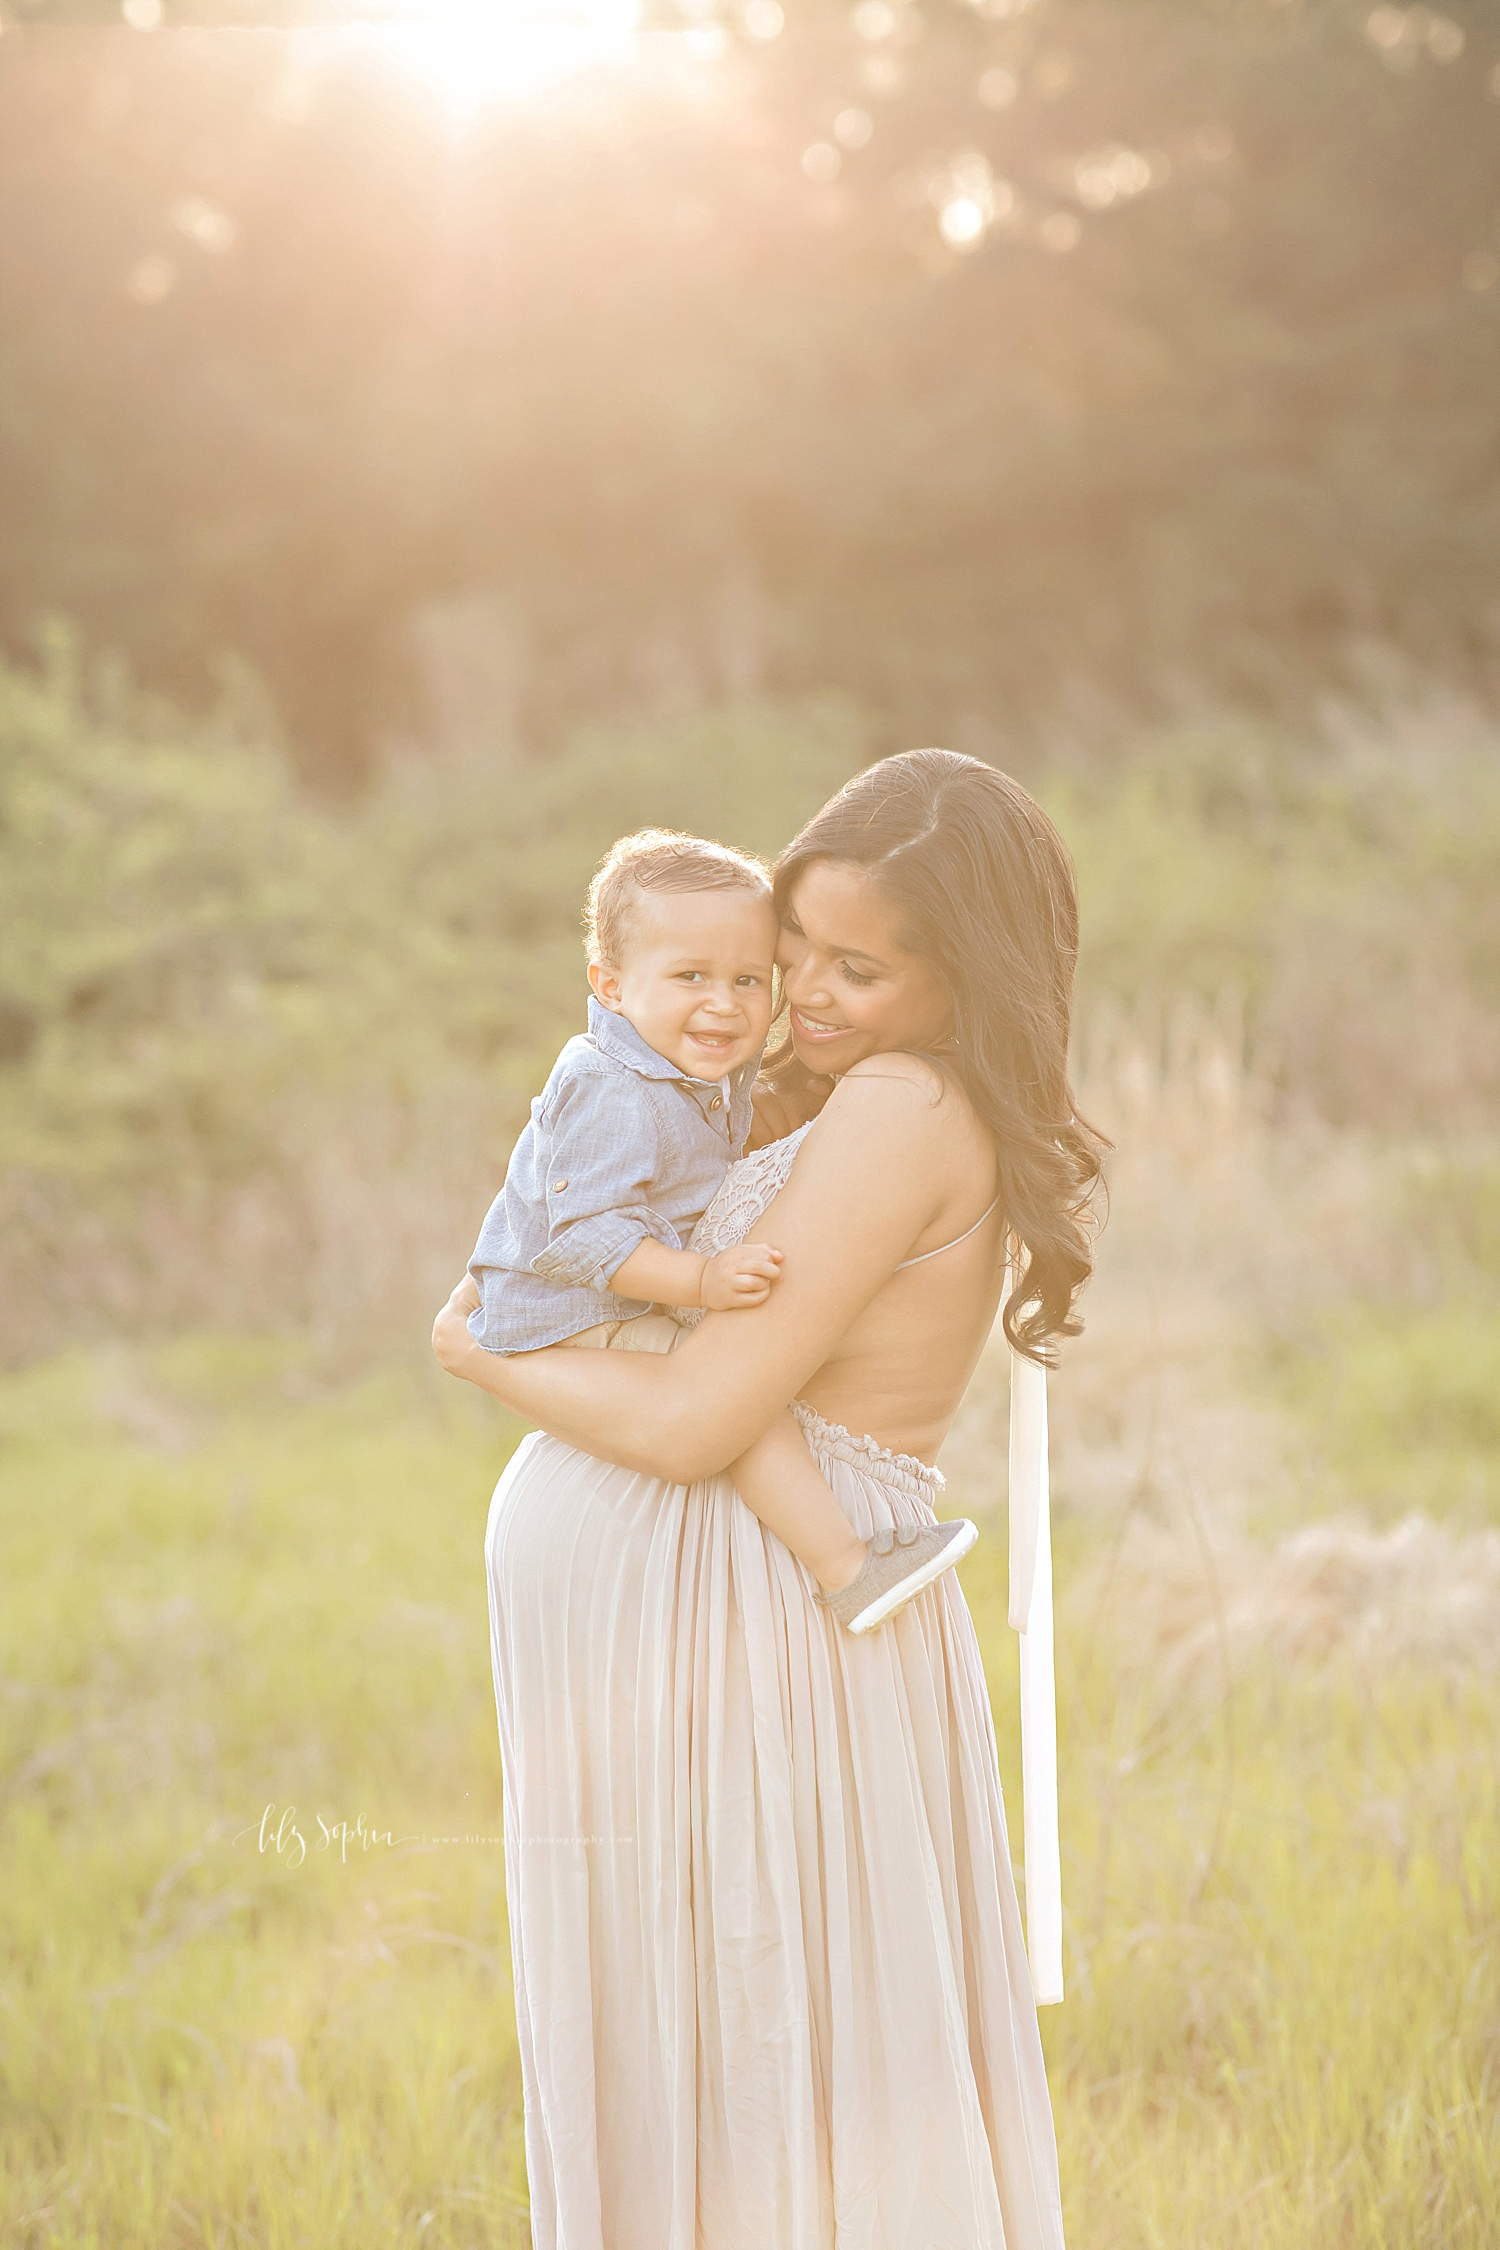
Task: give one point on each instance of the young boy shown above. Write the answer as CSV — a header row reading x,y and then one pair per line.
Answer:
x,y
628,1142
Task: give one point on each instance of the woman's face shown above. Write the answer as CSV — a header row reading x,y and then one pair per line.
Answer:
x,y
854,989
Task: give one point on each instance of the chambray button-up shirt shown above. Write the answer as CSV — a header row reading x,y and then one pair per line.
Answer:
x,y
621,1145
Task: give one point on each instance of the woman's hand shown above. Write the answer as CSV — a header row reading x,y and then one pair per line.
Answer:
x,y
452,1345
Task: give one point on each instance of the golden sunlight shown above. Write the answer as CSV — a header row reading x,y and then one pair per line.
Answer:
x,y
471,53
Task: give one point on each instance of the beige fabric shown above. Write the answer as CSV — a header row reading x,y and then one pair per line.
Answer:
x,y
771,1990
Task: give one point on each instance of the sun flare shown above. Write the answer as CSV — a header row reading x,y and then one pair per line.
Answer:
x,y
471,53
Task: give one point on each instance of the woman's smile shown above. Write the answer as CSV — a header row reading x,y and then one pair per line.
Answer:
x,y
815,1028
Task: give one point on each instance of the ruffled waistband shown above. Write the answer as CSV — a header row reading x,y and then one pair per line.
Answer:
x,y
903,1471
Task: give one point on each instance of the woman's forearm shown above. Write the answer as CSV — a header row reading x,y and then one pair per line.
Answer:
x,y
625,1407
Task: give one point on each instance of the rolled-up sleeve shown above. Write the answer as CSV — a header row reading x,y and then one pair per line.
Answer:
x,y
599,1142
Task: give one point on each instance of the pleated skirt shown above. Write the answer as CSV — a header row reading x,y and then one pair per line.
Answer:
x,y
771,1990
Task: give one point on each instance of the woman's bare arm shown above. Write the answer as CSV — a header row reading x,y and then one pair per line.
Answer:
x,y
880,1163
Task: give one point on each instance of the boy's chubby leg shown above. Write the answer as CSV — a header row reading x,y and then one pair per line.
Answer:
x,y
647,1332
779,1480
777,1477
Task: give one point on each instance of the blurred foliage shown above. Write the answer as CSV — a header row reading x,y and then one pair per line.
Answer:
x,y
214,986
1398,1391
188,933
1402,1405
224,1006
1342,882
673,386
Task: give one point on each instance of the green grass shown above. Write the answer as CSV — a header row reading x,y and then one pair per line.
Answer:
x,y
1401,1405
225,1589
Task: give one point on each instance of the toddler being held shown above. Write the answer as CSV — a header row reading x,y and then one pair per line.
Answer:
x,y
628,1142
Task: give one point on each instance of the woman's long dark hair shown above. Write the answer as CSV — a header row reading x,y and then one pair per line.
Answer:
x,y
985,887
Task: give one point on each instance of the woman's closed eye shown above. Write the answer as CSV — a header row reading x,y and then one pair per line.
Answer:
x,y
852,976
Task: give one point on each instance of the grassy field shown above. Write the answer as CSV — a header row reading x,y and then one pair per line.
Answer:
x,y
255,1974
263,1059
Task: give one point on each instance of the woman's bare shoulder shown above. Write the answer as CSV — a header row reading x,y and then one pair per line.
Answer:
x,y
922,1074
894,1107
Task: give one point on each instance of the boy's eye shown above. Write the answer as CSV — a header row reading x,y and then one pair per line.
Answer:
x,y
749,980
689,976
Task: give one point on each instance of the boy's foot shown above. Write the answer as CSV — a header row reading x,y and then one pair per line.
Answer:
x,y
902,1559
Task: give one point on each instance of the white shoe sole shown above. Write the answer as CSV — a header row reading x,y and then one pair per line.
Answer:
x,y
895,1597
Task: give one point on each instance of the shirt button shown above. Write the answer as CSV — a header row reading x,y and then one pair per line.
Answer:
x,y
717,1102
558,1186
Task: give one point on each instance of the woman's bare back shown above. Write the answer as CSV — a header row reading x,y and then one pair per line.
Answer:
x,y
899,1372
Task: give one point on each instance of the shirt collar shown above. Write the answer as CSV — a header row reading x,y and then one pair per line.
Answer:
x,y
615,1037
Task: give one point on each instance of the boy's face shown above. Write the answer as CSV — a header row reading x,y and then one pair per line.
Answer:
x,y
696,977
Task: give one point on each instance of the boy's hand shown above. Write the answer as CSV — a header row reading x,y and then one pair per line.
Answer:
x,y
451,1340
738,1278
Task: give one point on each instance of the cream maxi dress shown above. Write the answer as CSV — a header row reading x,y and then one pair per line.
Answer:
x,y
771,1990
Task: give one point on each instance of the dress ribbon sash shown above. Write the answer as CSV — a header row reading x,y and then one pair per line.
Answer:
x,y
1031,1618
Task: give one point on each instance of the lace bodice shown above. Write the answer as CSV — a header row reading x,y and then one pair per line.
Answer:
x,y
747,1190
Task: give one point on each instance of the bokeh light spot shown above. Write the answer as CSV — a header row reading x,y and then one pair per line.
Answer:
x,y
962,223
151,279
998,88
204,224
874,19
764,19
881,74
1053,73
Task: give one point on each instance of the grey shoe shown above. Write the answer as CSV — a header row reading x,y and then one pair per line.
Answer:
x,y
901,1560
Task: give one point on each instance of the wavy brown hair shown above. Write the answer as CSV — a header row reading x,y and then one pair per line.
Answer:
x,y
985,888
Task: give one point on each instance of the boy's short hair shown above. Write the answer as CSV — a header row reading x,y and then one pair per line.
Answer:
x,y
660,859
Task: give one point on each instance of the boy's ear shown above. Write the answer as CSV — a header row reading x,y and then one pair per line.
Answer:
x,y
604,983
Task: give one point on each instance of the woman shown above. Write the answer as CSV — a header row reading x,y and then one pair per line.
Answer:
x,y
771,1990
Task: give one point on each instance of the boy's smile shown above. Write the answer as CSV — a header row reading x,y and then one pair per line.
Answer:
x,y
695,980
